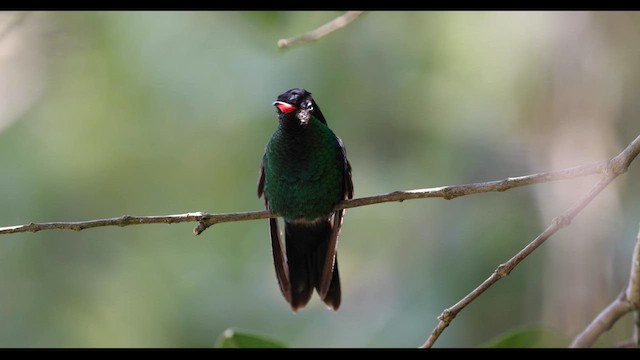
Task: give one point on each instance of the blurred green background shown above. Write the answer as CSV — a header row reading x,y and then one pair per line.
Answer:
x,y
151,113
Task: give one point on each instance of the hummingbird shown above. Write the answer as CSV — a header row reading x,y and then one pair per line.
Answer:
x,y
304,174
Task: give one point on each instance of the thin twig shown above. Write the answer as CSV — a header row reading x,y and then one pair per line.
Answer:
x,y
603,322
614,167
446,192
633,289
504,269
124,220
206,220
628,301
324,30
127,220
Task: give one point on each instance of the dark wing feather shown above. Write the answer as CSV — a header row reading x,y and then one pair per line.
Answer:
x,y
261,179
348,182
338,218
280,260
330,258
279,255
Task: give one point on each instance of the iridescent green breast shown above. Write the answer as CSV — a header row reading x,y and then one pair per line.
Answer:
x,y
304,171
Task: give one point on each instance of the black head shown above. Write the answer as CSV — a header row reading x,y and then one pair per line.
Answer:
x,y
297,103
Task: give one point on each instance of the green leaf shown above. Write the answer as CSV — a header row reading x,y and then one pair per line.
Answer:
x,y
529,338
231,338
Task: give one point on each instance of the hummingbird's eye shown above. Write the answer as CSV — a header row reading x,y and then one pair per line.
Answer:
x,y
307,105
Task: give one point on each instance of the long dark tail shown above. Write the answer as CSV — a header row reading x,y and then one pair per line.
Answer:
x,y
306,247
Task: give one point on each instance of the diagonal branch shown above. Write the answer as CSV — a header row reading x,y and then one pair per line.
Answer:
x,y
324,30
603,322
633,289
614,167
628,301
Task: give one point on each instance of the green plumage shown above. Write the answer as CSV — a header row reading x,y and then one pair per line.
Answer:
x,y
304,171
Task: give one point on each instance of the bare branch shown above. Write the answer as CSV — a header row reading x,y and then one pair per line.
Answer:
x,y
126,220
453,191
603,322
613,168
628,301
205,220
633,289
324,30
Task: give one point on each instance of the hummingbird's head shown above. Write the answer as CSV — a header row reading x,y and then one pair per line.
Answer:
x,y
297,103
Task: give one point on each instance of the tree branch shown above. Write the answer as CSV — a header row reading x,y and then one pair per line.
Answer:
x,y
614,167
324,30
205,220
603,322
618,164
628,301
633,289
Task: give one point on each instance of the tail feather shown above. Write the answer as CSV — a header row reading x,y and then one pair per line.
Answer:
x,y
306,247
333,296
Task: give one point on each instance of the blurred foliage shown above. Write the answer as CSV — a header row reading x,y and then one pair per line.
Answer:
x,y
235,339
150,113
529,338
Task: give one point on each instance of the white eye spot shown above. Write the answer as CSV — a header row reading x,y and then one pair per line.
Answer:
x,y
307,105
303,116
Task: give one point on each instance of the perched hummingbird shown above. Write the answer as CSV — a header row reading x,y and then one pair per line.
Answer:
x,y
304,174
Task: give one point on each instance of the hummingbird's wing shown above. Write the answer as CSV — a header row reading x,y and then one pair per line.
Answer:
x,y
261,178
280,260
336,225
347,190
348,182
330,287
279,255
